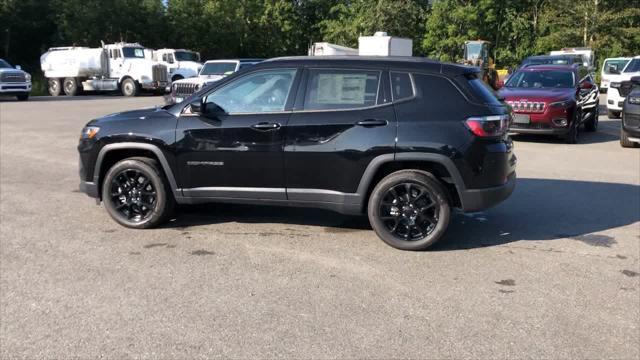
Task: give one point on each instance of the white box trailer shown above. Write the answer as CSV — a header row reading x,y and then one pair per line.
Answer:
x,y
328,49
124,66
381,44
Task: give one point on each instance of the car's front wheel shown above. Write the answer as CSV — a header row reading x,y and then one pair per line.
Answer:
x,y
135,194
409,210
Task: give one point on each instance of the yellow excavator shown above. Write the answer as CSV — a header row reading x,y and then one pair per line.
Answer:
x,y
476,53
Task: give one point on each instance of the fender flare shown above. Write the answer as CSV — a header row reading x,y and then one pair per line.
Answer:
x,y
374,165
137,146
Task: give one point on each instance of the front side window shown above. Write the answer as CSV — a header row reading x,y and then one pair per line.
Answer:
x,y
330,89
263,91
401,85
542,79
130,52
616,65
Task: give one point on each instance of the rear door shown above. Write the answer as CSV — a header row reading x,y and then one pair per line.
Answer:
x,y
343,118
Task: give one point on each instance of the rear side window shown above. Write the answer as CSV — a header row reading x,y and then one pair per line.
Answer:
x,y
483,92
401,85
331,89
437,99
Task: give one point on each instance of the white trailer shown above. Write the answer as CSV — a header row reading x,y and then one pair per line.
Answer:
x,y
127,67
327,49
181,63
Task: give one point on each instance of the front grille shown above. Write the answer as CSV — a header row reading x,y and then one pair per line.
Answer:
x,y
159,73
185,90
527,106
13,77
530,126
631,120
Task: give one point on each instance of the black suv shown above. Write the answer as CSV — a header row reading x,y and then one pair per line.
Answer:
x,y
403,140
630,129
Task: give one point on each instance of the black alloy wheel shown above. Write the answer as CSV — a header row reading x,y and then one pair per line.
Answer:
x,y
133,195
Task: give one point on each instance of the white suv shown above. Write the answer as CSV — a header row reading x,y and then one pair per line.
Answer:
x,y
14,81
610,68
614,99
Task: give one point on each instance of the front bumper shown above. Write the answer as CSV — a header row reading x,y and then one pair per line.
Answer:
x,y
614,100
15,88
543,131
155,85
481,199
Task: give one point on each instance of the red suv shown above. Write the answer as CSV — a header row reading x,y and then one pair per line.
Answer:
x,y
552,99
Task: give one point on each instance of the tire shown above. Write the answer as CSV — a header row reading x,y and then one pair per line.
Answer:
x,y
129,87
54,87
624,140
572,137
592,125
23,97
143,206
399,227
613,114
70,86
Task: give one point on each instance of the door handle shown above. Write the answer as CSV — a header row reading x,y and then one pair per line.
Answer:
x,y
372,122
265,126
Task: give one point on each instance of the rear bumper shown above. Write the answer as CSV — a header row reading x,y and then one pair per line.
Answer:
x,y
480,199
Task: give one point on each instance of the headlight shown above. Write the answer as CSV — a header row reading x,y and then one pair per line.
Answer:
x,y
560,104
615,85
89,132
27,77
634,100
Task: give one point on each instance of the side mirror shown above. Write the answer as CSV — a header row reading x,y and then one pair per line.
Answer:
x,y
197,106
635,80
613,70
18,67
586,85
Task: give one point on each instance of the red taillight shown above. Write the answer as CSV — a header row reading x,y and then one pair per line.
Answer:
x,y
488,126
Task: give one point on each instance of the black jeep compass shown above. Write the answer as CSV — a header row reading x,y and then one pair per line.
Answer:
x,y
403,140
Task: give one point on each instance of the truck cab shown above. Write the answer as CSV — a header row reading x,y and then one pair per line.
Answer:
x,y
14,81
181,63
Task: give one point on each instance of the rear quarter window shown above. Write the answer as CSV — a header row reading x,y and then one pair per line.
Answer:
x,y
437,99
482,92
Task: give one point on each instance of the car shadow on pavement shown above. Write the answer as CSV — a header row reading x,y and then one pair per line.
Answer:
x,y
539,209
548,209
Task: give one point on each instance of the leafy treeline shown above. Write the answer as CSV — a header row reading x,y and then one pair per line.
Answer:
x,y
267,28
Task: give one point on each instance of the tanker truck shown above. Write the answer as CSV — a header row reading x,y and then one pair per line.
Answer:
x,y
127,67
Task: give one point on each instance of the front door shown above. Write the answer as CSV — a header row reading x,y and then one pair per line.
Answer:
x,y
344,121
238,153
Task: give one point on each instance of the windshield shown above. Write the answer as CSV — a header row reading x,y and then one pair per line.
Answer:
x,y
130,52
616,65
4,64
634,66
218,68
473,51
187,56
542,79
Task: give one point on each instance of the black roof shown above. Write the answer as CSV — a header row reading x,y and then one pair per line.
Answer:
x,y
394,62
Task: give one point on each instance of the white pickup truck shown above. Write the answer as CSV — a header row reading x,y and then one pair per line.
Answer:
x,y
614,99
14,81
212,71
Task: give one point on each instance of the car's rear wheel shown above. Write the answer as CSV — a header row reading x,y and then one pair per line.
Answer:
x,y
613,114
135,193
409,210
624,140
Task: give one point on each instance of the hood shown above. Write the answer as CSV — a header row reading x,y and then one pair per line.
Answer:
x,y
200,79
141,114
190,65
11,71
540,94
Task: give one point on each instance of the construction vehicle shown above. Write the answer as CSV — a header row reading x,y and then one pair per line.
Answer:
x,y
476,53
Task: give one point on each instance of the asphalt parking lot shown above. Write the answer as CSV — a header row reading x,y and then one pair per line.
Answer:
x,y
553,272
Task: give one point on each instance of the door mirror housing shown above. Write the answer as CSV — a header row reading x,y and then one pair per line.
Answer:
x,y
613,70
635,80
209,110
197,106
18,67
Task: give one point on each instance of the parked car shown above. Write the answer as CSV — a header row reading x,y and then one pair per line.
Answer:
x,y
403,140
610,67
212,71
614,99
553,100
630,128
14,81
552,60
